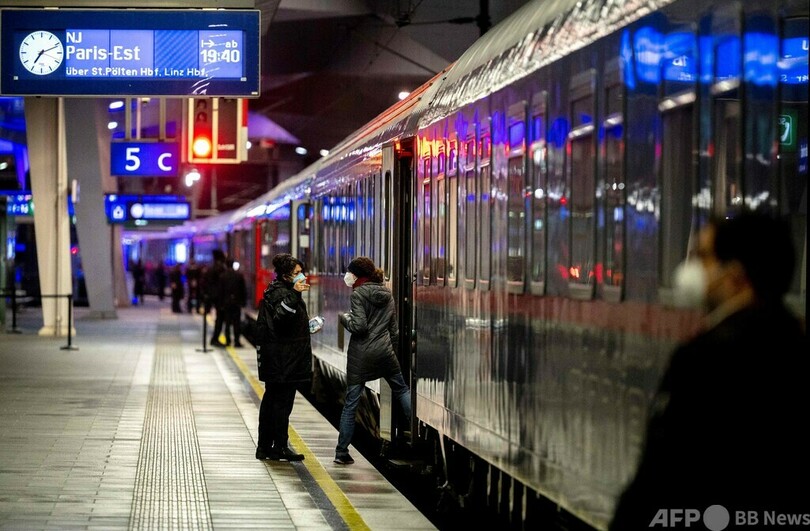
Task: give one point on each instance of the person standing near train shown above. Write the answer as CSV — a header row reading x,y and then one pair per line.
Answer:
x,y
372,323
284,353
213,295
725,433
234,297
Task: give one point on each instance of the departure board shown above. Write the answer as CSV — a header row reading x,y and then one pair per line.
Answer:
x,y
130,52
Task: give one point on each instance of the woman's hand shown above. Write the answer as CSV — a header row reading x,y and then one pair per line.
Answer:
x,y
301,286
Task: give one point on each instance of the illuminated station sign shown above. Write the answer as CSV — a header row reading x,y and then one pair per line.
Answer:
x,y
129,52
126,208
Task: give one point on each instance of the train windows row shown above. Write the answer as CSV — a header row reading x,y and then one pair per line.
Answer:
x,y
356,221
552,206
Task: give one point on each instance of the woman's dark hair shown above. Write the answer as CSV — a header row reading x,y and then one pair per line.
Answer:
x,y
285,263
363,266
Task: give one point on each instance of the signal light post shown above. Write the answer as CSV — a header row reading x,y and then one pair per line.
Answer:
x,y
217,131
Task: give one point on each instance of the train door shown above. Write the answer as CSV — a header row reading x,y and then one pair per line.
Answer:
x,y
396,254
301,213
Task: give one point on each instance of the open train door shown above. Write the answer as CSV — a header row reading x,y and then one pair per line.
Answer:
x,y
397,168
301,212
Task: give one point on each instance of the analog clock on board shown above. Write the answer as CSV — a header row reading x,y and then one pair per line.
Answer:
x,y
41,52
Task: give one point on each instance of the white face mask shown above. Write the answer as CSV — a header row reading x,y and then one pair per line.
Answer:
x,y
298,278
349,278
690,284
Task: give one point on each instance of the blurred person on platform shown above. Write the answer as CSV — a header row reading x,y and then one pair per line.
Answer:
x,y
726,430
176,287
213,295
139,281
234,298
193,274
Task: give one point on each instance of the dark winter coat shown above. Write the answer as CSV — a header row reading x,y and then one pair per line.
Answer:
x,y
728,425
373,325
283,343
233,291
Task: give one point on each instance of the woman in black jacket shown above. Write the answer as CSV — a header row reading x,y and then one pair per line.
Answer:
x,y
284,355
373,325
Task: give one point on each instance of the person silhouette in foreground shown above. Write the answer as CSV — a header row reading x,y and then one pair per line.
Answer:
x,y
727,428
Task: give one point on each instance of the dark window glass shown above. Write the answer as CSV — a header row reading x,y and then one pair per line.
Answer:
x,y
516,222
427,213
582,210
453,229
614,207
677,190
486,227
441,228
471,243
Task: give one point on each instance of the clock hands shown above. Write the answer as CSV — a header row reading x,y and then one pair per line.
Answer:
x,y
41,52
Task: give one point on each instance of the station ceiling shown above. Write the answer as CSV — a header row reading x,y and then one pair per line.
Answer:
x,y
330,66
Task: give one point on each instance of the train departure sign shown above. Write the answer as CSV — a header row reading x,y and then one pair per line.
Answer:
x,y
129,52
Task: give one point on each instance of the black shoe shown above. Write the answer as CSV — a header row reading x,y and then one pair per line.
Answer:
x,y
285,454
238,344
344,459
217,343
263,454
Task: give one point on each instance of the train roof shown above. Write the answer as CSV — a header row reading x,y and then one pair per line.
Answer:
x,y
535,35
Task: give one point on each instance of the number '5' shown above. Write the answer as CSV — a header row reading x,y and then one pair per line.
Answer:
x,y
133,162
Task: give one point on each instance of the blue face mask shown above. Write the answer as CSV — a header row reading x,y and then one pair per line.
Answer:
x,y
298,278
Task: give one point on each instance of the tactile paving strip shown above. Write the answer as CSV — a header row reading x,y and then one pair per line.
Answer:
x,y
170,491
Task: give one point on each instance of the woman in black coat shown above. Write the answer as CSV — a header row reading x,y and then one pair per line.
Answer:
x,y
373,325
284,355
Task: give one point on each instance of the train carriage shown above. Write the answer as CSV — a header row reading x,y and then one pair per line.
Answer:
x,y
529,206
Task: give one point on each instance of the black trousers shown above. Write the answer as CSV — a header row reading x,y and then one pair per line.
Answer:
x,y
274,414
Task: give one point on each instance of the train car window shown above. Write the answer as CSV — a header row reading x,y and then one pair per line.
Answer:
x,y
441,229
470,218
363,231
484,246
792,134
612,184
517,199
388,227
426,222
303,220
727,171
347,228
582,170
452,157
453,225
516,225
677,185
539,179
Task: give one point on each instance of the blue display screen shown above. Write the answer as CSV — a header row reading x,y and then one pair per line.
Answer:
x,y
130,52
124,208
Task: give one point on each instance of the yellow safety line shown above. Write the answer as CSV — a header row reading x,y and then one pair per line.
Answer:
x,y
335,494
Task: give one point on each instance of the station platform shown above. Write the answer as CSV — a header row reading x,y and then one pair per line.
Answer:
x,y
139,428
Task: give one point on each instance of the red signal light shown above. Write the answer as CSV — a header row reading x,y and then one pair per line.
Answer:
x,y
202,146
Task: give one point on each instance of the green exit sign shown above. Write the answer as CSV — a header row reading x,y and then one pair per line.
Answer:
x,y
787,130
